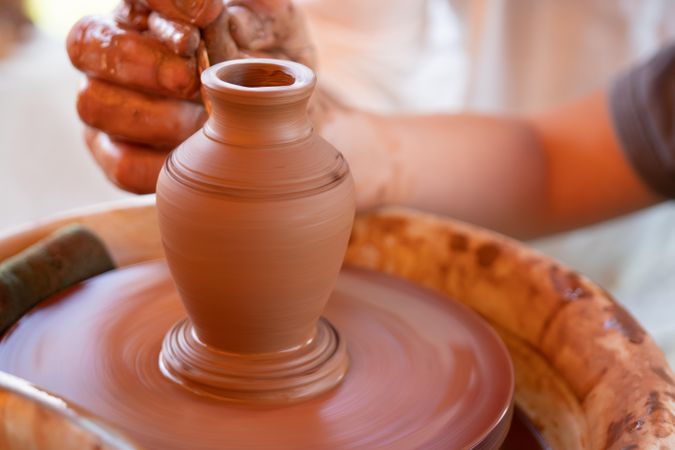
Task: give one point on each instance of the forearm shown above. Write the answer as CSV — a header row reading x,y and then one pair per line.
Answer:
x,y
589,178
485,170
525,177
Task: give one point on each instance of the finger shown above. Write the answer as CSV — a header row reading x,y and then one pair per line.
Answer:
x,y
180,37
134,168
101,48
249,30
130,115
219,42
131,14
277,26
196,12
297,43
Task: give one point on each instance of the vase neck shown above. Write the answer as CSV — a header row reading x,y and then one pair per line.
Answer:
x,y
258,102
246,125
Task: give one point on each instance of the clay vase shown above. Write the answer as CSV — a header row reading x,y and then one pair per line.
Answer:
x,y
255,211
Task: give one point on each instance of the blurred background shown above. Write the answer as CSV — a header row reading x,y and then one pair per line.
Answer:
x,y
56,18
499,56
45,167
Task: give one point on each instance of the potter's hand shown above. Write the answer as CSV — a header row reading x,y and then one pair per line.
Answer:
x,y
141,96
267,28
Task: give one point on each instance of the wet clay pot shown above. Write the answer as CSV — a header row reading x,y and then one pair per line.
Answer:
x,y
255,211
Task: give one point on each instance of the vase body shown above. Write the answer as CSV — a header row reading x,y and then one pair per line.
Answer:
x,y
255,212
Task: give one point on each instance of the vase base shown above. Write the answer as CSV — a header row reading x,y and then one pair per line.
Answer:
x,y
279,377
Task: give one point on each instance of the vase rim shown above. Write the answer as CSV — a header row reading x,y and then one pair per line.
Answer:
x,y
256,77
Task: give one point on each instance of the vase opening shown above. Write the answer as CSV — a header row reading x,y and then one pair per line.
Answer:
x,y
256,75
240,79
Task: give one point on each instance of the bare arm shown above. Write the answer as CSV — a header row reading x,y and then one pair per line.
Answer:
x,y
588,177
522,176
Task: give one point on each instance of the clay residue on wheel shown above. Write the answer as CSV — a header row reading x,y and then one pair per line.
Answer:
x,y
593,344
624,323
486,254
663,374
458,242
567,283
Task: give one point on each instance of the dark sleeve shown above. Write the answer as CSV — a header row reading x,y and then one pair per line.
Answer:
x,y
642,105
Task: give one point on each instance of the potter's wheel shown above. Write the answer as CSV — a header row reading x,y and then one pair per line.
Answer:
x,y
425,372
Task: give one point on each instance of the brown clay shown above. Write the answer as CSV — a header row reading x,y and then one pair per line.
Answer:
x,y
181,38
219,42
426,372
255,212
124,163
197,12
132,14
132,115
31,418
99,47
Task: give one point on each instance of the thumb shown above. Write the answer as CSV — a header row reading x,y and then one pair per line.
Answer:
x,y
260,24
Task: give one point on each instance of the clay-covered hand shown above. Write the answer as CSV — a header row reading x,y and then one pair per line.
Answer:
x,y
141,95
263,28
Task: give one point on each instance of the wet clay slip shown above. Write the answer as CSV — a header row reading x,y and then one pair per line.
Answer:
x,y
255,212
426,372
